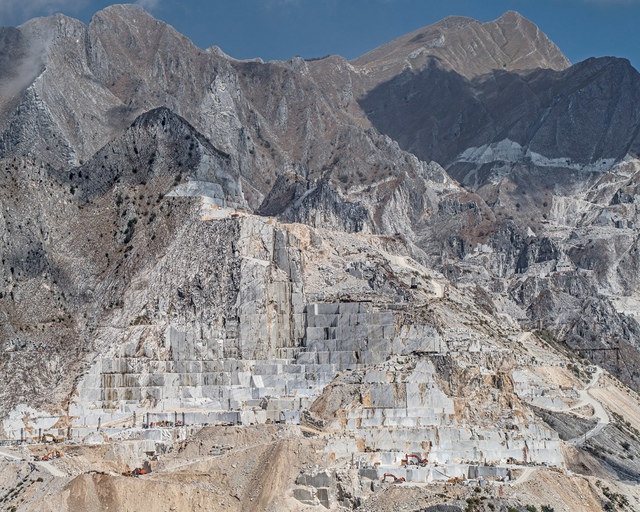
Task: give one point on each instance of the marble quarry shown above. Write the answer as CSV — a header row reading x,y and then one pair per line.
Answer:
x,y
263,351
415,416
333,338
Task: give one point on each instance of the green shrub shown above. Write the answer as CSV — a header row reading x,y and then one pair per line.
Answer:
x,y
472,504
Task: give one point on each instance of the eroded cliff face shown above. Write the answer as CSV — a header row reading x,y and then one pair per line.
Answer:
x,y
271,119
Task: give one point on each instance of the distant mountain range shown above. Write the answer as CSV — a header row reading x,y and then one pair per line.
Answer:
x,y
498,163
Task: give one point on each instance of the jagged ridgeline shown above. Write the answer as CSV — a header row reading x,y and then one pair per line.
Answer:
x,y
362,248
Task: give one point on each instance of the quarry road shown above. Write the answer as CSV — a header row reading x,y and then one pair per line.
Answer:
x,y
524,476
599,411
212,457
438,289
9,456
51,469
44,465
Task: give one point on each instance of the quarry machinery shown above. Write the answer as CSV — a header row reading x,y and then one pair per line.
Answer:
x,y
396,480
420,462
136,472
51,455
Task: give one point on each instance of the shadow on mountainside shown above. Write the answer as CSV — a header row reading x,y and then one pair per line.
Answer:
x,y
587,112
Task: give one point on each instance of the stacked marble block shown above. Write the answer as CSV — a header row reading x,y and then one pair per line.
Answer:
x,y
414,416
352,335
347,335
438,473
448,445
286,357
215,388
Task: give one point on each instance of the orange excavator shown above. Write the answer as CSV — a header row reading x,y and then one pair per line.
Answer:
x,y
49,456
420,462
396,480
135,472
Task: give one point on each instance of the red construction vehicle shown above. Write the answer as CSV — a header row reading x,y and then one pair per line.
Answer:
x,y
396,480
419,461
135,472
51,455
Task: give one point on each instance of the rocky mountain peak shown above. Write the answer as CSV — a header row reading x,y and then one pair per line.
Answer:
x,y
132,12
453,22
514,18
469,47
532,47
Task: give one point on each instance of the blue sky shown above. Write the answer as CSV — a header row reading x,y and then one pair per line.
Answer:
x,y
281,29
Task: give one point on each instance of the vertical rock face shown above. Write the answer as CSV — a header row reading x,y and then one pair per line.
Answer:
x,y
86,113
17,64
33,132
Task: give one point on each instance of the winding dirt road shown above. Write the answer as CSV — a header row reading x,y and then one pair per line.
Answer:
x,y
44,465
598,411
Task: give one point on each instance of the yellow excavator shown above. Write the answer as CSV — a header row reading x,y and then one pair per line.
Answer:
x,y
136,472
420,462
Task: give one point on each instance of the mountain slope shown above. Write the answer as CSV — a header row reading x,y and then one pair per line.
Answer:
x,y
468,47
128,103
585,117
